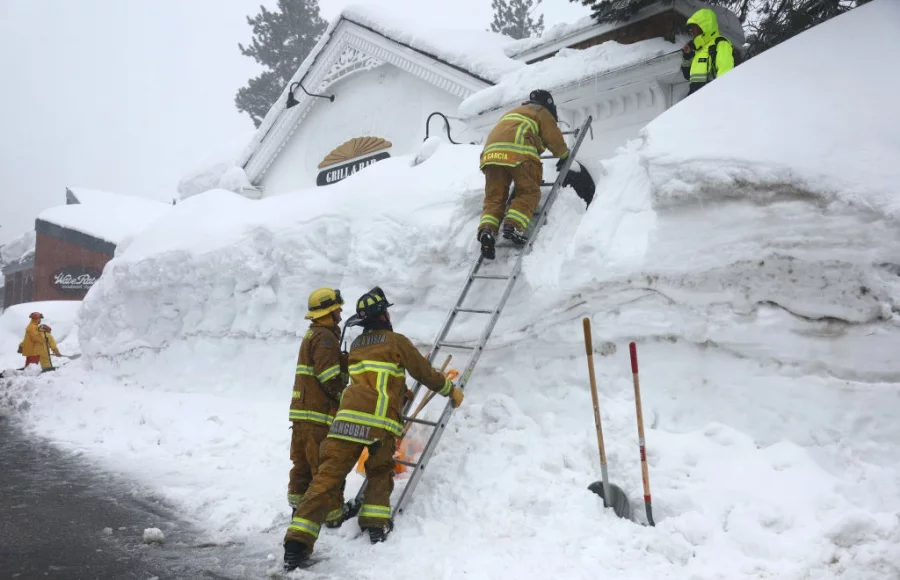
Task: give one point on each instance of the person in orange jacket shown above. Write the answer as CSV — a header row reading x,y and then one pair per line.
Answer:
x,y
30,347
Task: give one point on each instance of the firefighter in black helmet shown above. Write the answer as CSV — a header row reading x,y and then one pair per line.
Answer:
x,y
512,154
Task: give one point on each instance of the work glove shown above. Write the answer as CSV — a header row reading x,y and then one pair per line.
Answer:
x,y
456,397
20,349
561,160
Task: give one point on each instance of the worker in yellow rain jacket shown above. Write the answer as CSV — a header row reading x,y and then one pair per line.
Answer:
x,y
318,385
512,154
33,343
709,55
369,416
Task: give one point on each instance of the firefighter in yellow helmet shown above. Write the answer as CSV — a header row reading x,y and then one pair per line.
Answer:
x,y
32,345
512,154
709,55
369,416
318,385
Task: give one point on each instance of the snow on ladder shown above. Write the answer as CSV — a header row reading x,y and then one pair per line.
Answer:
x,y
441,343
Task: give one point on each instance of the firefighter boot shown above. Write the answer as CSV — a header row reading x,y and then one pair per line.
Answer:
x,y
295,554
514,234
486,238
380,534
348,511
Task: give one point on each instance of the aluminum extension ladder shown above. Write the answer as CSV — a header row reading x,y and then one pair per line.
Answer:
x,y
438,426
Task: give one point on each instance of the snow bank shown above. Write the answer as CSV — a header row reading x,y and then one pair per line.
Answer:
x,y
107,216
264,257
767,323
565,67
766,122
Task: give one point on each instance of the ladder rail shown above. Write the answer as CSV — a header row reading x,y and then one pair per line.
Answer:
x,y
445,328
438,431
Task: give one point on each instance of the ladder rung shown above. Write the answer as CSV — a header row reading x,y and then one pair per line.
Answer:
x,y
454,345
474,311
491,276
421,421
406,463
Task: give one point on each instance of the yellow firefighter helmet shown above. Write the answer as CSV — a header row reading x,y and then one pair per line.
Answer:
x,y
323,301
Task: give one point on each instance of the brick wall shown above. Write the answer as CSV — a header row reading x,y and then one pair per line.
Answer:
x,y
52,253
662,25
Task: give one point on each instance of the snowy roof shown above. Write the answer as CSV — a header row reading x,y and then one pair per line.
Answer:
x,y
106,216
568,66
477,53
567,34
18,251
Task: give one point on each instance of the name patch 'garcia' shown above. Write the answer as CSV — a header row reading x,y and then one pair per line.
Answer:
x,y
350,157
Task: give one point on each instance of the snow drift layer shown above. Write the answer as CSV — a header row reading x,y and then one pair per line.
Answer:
x,y
766,319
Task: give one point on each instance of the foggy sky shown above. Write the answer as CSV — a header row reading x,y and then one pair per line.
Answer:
x,y
127,95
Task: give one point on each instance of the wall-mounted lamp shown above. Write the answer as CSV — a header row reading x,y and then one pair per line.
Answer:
x,y
291,101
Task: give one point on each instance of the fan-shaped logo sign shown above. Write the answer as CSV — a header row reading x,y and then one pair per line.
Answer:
x,y
350,157
74,279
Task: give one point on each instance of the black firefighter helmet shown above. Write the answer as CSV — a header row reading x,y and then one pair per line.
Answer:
x,y
544,99
371,305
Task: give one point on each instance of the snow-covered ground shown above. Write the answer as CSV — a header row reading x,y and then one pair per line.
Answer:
x,y
748,243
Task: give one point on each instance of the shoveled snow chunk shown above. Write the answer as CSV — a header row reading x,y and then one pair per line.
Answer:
x,y
154,535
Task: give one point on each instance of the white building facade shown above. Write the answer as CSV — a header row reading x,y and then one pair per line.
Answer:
x,y
366,90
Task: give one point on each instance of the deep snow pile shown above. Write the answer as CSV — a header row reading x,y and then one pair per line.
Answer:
x,y
765,312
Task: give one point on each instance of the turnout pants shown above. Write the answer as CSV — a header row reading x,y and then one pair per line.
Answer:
x,y
338,458
527,179
306,442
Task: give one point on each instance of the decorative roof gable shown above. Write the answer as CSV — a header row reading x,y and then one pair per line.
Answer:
x,y
349,47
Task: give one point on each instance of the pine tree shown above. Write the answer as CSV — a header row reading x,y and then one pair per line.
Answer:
x,y
513,18
281,40
766,22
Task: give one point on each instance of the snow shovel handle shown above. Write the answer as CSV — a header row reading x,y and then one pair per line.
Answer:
x,y
645,475
589,351
424,402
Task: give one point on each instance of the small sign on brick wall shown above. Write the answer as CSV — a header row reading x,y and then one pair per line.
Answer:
x,y
74,279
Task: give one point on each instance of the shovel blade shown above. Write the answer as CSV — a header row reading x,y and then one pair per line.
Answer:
x,y
618,501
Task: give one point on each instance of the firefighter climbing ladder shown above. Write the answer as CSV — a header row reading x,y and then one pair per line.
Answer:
x,y
440,342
